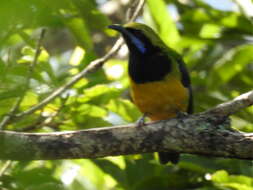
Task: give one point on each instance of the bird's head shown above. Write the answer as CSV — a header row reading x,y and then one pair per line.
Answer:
x,y
139,38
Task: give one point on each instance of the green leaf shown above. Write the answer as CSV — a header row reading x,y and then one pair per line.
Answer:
x,y
233,62
81,32
99,94
115,69
126,109
30,99
6,103
10,93
36,176
86,121
160,14
91,14
242,180
220,176
230,20
91,176
145,171
47,67
210,31
197,15
113,170
91,110
239,182
152,183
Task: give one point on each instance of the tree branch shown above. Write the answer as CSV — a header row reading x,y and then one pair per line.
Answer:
x,y
206,133
234,105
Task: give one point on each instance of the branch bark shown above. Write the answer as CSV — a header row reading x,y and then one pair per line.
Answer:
x,y
206,133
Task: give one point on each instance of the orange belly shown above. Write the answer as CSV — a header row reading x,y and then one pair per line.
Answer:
x,y
160,100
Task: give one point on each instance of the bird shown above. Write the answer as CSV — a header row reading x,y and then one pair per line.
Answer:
x,y
160,84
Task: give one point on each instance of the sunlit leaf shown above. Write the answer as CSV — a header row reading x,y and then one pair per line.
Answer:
x,y
168,31
233,62
99,94
125,109
80,30
220,176
210,31
113,170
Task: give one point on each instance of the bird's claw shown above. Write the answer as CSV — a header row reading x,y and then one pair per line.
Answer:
x,y
181,115
141,120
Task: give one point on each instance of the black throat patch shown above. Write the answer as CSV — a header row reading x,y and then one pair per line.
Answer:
x,y
149,67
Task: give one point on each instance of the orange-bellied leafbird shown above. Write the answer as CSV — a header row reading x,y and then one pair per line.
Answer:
x,y
159,80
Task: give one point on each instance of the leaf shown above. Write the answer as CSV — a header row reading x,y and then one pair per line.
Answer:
x,y
126,109
93,17
35,176
115,69
91,110
10,93
210,31
47,68
196,16
30,99
81,32
160,14
239,182
77,56
152,183
113,170
6,105
99,94
220,176
91,176
87,122
233,62
145,171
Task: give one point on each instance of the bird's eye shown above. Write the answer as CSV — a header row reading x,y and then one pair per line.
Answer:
x,y
133,31
137,33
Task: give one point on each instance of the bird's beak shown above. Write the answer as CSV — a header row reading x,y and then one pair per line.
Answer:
x,y
118,28
129,38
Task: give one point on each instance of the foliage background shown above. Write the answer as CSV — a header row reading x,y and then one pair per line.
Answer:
x,y
215,38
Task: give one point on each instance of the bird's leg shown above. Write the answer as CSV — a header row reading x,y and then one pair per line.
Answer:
x,y
141,120
181,115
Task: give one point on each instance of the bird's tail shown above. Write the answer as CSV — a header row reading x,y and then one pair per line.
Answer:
x,y
165,157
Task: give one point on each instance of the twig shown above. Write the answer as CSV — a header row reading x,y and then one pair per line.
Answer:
x,y
234,105
6,165
43,120
244,8
37,51
92,67
15,107
8,117
137,10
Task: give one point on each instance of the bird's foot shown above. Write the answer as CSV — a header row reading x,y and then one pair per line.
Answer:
x,y
141,120
181,115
